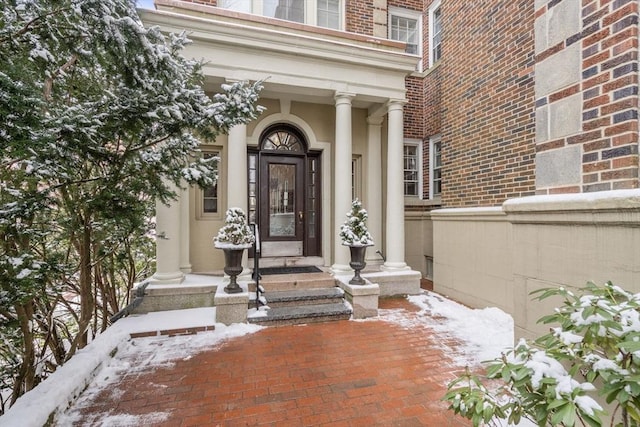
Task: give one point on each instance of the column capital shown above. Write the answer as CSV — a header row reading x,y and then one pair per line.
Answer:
x,y
395,104
343,97
375,120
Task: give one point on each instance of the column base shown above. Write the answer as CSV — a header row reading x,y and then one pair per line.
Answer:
x,y
173,278
394,266
341,269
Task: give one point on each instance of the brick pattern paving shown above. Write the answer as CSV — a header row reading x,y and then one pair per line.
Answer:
x,y
345,373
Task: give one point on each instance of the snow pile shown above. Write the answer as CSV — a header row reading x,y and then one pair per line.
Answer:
x,y
479,334
95,364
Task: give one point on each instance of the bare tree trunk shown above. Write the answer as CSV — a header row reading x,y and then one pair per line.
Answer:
x,y
25,380
86,289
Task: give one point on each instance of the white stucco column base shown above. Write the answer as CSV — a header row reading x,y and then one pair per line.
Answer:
x,y
395,266
167,278
340,269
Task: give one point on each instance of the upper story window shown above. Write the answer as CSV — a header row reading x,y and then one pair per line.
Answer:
x,y
322,13
435,167
406,26
412,168
435,33
329,14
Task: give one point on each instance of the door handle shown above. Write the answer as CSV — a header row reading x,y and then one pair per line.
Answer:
x,y
300,216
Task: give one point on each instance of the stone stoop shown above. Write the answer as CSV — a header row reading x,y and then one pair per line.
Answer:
x,y
304,297
294,299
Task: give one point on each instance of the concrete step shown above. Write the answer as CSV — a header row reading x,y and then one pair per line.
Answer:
x,y
300,314
304,297
288,282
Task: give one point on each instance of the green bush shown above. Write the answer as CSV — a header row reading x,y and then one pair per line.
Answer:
x,y
551,381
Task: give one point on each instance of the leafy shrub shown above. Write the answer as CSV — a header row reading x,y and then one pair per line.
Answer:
x,y
551,381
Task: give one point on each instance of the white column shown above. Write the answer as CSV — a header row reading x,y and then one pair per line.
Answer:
x,y
185,259
374,186
395,189
168,242
342,179
237,191
237,166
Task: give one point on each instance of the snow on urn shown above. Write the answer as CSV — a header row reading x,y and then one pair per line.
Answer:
x,y
233,238
354,233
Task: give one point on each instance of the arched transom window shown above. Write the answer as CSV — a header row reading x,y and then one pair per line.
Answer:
x,y
283,139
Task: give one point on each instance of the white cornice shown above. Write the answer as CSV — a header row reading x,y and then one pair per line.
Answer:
x,y
207,30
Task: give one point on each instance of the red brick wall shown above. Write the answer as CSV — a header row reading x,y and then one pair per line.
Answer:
x,y
359,16
481,100
413,110
407,4
610,94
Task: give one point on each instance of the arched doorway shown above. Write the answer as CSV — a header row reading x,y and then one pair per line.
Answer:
x,y
285,193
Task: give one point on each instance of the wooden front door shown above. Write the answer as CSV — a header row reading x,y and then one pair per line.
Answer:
x,y
282,205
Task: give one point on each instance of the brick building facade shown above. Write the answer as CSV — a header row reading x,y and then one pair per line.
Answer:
x,y
499,101
587,74
526,98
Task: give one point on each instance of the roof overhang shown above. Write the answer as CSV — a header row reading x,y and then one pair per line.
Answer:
x,y
295,61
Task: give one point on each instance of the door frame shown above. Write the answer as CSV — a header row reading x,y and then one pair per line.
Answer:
x,y
311,193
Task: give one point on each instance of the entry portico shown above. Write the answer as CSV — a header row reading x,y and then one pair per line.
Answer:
x,y
341,95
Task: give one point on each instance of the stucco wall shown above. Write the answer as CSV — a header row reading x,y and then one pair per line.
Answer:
x,y
497,256
418,231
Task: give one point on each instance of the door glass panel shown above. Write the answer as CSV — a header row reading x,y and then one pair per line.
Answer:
x,y
253,195
282,184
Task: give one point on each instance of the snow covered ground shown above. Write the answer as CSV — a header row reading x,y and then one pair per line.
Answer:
x,y
484,334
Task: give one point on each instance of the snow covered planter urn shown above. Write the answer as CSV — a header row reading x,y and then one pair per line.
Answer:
x,y
354,234
233,238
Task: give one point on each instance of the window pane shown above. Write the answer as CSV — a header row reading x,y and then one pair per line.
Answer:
x,y
405,30
411,170
210,205
329,13
282,184
436,173
253,187
290,10
436,35
210,194
237,5
282,140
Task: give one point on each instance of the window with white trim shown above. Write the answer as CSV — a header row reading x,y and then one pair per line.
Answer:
x,y
322,13
209,199
435,33
412,168
435,167
406,26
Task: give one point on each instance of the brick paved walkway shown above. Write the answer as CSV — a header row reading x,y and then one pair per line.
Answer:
x,y
346,373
